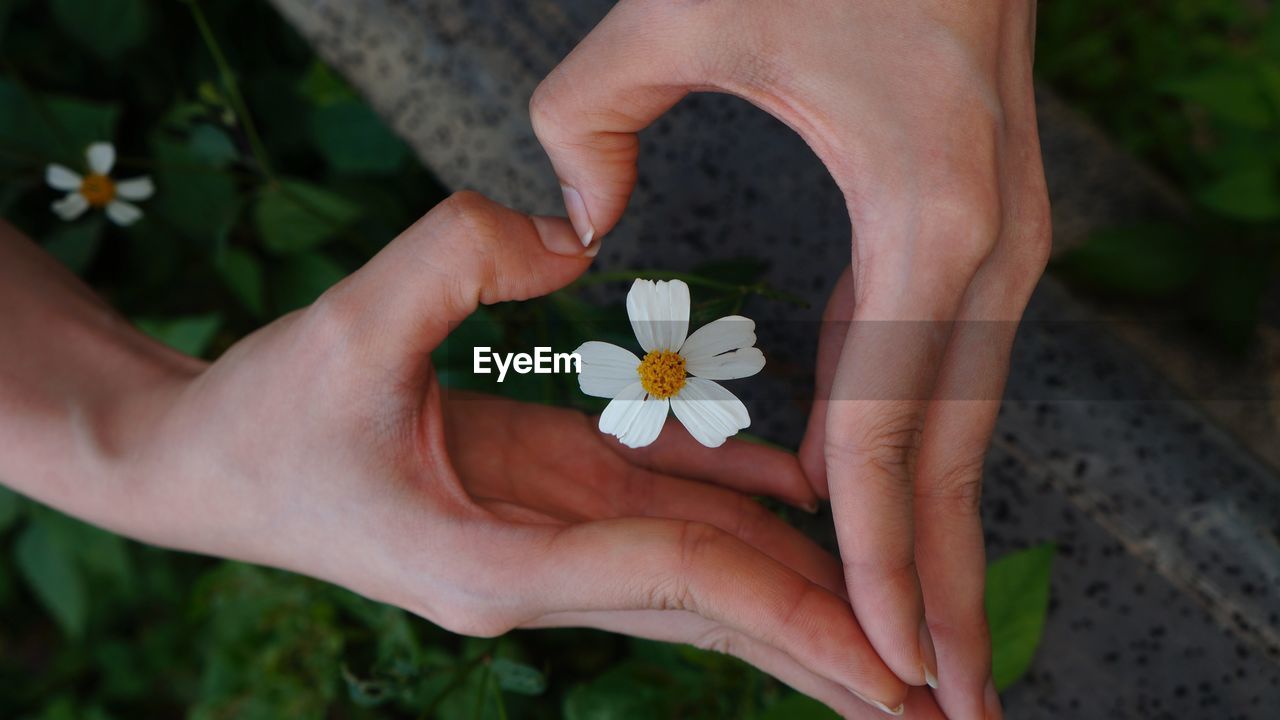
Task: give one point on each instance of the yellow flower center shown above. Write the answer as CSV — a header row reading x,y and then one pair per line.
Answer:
x,y
662,373
98,189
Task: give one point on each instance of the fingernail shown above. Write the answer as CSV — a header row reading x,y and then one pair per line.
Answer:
x,y
811,508
577,209
928,656
556,237
991,699
879,705
592,249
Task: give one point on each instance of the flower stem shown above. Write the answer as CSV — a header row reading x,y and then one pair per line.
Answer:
x,y
232,87
758,288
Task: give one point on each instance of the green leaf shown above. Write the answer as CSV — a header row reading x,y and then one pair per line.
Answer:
x,y
10,506
1250,194
241,271
301,279
190,335
106,27
799,707
517,677
1144,260
212,145
322,86
48,567
198,198
1017,600
295,216
75,243
1231,93
47,128
353,138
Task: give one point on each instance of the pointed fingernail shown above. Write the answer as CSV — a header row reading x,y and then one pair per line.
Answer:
x,y
928,656
556,237
811,508
991,700
577,209
879,705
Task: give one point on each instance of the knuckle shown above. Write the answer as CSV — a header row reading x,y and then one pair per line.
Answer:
x,y
544,106
718,640
750,518
958,486
469,212
966,220
673,590
889,568
887,443
335,318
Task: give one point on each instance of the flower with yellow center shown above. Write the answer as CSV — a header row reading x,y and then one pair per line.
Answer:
x,y
678,370
97,189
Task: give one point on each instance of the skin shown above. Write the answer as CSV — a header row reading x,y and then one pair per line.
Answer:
x,y
923,112
323,444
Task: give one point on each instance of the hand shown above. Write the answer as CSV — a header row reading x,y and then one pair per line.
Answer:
x,y
923,112
323,444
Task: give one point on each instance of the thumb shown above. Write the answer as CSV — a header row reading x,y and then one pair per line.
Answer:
x,y
467,251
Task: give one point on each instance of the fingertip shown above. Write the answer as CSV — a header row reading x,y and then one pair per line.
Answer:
x,y
559,236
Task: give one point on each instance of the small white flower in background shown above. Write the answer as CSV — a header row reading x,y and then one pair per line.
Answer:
x,y
676,372
97,189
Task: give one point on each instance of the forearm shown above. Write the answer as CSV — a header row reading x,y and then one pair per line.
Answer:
x,y
79,388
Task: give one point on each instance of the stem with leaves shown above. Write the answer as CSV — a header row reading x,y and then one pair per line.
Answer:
x,y
232,87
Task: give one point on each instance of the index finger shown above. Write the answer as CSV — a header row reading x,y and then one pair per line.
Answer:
x,y
875,417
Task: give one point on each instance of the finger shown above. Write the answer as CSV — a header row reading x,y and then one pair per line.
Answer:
x,y
905,303
831,337
468,250
692,629
635,65
739,465
679,565
638,493
958,428
660,496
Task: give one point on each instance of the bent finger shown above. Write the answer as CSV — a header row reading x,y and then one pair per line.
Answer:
x,y
680,565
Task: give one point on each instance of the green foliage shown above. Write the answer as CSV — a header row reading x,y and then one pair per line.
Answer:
x,y
107,28
190,335
294,216
1017,600
1193,88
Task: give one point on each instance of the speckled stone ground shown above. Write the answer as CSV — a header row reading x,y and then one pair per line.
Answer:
x,y
1165,597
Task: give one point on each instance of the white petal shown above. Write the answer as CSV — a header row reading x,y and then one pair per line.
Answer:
x,y
123,213
61,177
139,188
634,417
101,157
659,313
71,206
723,350
709,412
740,363
606,369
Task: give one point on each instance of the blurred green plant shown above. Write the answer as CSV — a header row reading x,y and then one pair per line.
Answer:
x,y
1193,88
274,179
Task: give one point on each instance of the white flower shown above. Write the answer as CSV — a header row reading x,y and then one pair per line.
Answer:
x,y
97,189
676,372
